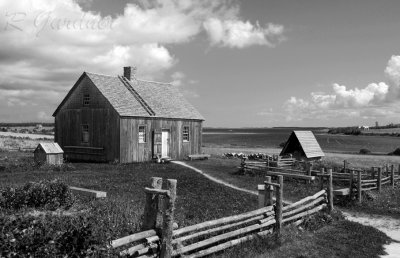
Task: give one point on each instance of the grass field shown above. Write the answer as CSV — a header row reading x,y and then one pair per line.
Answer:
x,y
198,200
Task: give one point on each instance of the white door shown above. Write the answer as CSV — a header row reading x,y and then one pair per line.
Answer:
x,y
165,143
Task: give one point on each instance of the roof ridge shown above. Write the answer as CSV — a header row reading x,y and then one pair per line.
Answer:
x,y
101,74
141,80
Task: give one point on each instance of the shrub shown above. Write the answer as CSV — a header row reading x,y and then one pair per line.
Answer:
x,y
365,151
50,236
48,194
282,144
345,130
395,152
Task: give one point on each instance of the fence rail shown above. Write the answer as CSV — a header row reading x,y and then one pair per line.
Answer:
x,y
215,235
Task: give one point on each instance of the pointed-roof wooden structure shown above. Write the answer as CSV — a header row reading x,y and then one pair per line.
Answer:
x,y
303,144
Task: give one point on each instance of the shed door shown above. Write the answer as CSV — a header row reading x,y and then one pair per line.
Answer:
x,y
165,143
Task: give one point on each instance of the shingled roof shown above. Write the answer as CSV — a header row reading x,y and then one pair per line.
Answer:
x,y
304,140
140,98
49,148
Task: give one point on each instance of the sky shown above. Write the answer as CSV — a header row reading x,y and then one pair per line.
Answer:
x,y
253,63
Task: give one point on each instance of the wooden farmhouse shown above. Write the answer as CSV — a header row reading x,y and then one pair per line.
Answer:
x,y
48,153
125,119
303,146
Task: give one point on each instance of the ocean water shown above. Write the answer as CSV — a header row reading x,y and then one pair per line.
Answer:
x,y
272,137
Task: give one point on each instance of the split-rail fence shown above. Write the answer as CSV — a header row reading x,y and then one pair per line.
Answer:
x,y
166,240
355,180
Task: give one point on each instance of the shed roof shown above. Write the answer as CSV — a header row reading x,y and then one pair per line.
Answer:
x,y
308,143
50,148
140,98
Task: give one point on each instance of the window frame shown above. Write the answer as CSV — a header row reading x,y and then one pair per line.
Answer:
x,y
144,138
86,100
85,129
187,134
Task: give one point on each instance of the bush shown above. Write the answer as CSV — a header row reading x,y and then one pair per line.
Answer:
x,y
365,151
50,236
48,194
396,152
345,130
282,144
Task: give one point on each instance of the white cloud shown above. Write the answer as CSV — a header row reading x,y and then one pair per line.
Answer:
x,y
373,93
371,102
47,44
240,34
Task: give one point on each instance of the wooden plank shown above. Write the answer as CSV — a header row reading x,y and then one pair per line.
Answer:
x,y
344,191
368,189
290,175
199,156
304,200
132,238
228,244
221,221
303,207
214,230
306,213
219,238
88,192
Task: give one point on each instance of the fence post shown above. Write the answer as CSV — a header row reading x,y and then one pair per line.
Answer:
x,y
379,183
330,191
151,206
373,172
351,184
278,206
392,175
344,166
398,170
242,165
309,168
168,220
359,187
261,195
322,178
268,192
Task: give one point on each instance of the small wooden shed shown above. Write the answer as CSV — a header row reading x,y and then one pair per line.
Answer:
x,y
303,146
49,153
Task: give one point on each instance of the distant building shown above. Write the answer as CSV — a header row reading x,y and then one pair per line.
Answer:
x,y
303,145
124,119
364,127
48,153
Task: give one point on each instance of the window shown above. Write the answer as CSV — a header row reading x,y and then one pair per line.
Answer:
x,y
86,100
85,133
185,133
142,134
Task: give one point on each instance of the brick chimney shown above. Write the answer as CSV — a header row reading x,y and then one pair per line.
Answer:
x,y
130,72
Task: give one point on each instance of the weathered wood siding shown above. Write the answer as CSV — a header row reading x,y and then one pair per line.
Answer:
x,y
40,156
55,159
133,151
103,123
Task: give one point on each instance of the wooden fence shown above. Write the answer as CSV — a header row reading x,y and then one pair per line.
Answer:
x,y
165,240
359,181
265,168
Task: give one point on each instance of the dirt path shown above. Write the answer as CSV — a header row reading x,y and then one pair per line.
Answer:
x,y
219,181
387,225
216,180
